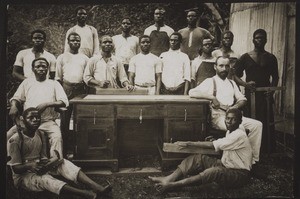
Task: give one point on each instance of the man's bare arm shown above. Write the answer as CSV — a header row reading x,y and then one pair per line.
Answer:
x,y
18,73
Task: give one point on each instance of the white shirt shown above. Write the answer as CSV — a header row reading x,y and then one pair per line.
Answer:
x,y
176,68
145,67
25,57
71,67
33,93
125,48
89,43
100,70
237,151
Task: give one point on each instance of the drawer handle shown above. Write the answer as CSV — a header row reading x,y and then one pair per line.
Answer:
x,y
171,140
185,114
108,139
141,116
95,116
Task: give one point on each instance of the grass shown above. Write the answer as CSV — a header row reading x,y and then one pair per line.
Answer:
x,y
277,184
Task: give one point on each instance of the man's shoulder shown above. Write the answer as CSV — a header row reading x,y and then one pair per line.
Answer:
x,y
116,36
15,138
25,51
150,28
217,52
50,55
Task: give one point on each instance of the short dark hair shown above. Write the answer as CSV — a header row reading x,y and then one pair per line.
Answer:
x,y
37,59
79,8
144,36
160,8
224,57
127,17
28,110
100,40
261,31
195,10
237,112
177,34
201,45
227,32
73,33
38,31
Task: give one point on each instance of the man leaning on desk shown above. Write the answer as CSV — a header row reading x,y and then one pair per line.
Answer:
x,y
103,70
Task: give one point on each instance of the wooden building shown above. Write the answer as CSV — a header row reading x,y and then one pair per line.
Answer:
x,y
279,21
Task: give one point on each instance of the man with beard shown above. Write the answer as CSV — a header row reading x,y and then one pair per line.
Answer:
x,y
203,65
176,73
44,94
27,150
260,66
126,45
22,66
88,34
192,36
226,51
224,94
145,68
103,70
232,170
69,71
159,33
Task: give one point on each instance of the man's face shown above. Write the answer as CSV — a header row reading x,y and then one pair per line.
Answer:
x,y
145,45
158,15
259,40
81,15
38,40
222,67
174,42
32,120
191,18
74,42
232,122
227,40
106,44
40,69
126,25
207,46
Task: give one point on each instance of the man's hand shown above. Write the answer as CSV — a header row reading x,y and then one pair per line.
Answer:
x,y
209,138
182,145
35,167
250,85
13,112
103,84
129,87
42,107
215,103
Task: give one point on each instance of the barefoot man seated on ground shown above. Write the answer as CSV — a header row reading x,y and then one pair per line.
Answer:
x,y
232,170
27,150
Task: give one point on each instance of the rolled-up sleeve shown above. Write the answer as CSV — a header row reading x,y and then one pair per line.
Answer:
x,y
89,70
60,94
205,87
230,142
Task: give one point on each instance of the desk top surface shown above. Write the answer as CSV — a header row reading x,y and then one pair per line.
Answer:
x,y
137,99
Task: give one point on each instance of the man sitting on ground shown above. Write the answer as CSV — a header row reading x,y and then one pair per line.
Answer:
x,y
27,150
232,170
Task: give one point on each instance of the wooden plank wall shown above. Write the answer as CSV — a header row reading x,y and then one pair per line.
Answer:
x,y
273,17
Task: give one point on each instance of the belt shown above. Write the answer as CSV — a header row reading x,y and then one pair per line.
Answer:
x,y
74,85
145,85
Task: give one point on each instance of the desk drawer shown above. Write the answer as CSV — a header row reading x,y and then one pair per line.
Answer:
x,y
186,111
140,111
106,111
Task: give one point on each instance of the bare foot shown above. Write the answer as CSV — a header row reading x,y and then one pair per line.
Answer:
x,y
90,195
159,179
163,187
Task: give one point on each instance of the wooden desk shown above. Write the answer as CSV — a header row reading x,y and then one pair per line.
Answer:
x,y
109,125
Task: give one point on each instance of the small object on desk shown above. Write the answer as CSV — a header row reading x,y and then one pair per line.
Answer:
x,y
118,91
175,148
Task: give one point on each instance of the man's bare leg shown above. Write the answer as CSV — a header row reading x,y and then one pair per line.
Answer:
x,y
67,189
166,179
83,178
165,185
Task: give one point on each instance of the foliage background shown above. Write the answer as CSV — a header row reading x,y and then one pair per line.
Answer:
x,y
56,19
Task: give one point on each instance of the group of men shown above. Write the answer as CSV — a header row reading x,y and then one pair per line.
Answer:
x,y
165,62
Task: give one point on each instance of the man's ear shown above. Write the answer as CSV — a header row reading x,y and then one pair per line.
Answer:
x,y
215,67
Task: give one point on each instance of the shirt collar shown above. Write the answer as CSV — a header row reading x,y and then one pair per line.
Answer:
x,y
178,50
